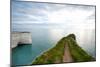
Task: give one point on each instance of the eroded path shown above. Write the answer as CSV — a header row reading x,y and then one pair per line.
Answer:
x,y
67,55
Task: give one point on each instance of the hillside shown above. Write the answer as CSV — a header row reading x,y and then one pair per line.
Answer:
x,y
66,50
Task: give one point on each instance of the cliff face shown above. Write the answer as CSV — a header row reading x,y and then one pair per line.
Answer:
x,y
20,38
66,50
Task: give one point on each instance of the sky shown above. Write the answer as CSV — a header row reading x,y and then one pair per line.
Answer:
x,y
53,14
88,2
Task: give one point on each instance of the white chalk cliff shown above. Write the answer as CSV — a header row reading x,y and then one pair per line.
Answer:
x,y
20,37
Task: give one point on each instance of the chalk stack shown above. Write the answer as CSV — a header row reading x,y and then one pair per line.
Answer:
x,y
20,38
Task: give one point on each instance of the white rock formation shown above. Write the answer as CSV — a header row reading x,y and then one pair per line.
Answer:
x,y
20,37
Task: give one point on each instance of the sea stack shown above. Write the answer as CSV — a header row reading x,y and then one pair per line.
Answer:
x,y
20,38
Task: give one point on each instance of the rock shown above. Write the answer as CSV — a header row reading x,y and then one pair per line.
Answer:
x,y
20,38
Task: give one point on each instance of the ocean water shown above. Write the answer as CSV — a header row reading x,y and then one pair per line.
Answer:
x,y
45,37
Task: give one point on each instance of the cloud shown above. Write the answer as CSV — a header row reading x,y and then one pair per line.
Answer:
x,y
46,13
89,2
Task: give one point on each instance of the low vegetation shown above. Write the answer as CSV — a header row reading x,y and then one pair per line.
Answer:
x,y
78,54
55,54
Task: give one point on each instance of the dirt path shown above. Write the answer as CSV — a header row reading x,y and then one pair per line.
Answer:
x,y
67,56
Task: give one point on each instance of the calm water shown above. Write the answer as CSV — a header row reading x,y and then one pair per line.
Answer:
x,y
45,37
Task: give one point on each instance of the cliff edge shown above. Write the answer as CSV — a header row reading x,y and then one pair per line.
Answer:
x,y
20,38
66,50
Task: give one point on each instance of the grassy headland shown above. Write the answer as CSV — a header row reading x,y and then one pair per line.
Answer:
x,y
55,55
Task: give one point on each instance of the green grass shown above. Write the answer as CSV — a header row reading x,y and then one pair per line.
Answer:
x,y
55,55
51,56
78,54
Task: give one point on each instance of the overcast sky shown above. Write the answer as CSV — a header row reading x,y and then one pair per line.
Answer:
x,y
60,14
89,2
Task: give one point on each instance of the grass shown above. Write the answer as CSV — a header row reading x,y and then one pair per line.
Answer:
x,y
52,56
78,54
55,55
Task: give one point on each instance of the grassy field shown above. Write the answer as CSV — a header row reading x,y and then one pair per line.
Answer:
x,y
55,55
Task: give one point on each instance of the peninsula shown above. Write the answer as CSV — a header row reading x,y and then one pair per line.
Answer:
x,y
66,50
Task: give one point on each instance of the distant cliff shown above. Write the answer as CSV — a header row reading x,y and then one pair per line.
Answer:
x,y
66,50
20,38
